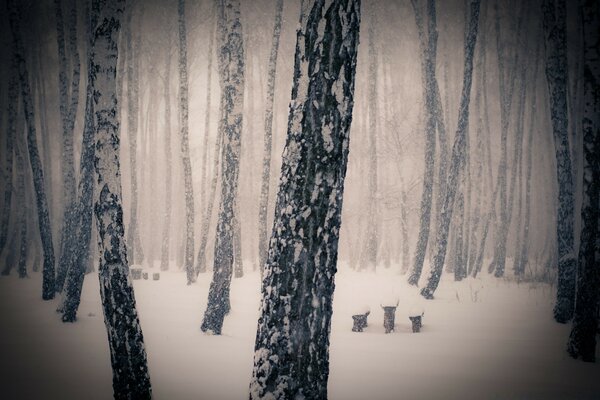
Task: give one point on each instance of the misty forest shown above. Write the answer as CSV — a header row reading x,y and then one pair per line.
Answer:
x,y
299,199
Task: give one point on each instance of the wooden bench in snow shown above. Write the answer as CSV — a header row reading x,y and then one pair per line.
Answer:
x,y
389,315
415,314
360,319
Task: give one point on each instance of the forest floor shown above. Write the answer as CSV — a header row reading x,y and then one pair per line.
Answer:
x,y
484,338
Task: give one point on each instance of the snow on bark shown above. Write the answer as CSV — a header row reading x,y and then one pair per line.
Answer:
x,y
291,357
231,79
582,340
185,146
128,355
34,158
554,22
458,156
266,165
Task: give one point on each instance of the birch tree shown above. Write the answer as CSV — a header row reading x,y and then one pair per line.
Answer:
x,y
555,36
582,340
458,155
131,379
231,80
291,358
48,277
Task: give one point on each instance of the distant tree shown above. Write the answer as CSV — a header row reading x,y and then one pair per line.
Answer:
x,y
555,35
11,132
291,359
131,379
266,165
165,243
458,155
582,341
48,277
185,146
231,79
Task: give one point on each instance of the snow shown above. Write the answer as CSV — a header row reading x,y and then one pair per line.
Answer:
x,y
504,344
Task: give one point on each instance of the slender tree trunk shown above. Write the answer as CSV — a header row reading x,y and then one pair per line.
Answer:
x,y
164,253
23,200
34,158
131,379
185,147
582,340
266,165
554,21
83,233
428,71
371,243
11,132
457,160
231,79
133,236
69,101
291,359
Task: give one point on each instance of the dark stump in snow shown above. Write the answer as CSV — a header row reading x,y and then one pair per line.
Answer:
x,y
145,276
136,273
416,323
389,317
360,322
156,276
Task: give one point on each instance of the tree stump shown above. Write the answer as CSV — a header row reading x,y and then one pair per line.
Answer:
x,y
145,276
360,321
136,273
389,317
416,323
156,276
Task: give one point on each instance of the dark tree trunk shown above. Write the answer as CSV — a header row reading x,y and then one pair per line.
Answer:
x,y
69,100
458,155
554,21
582,341
131,379
266,165
34,158
429,82
291,358
231,79
83,233
11,132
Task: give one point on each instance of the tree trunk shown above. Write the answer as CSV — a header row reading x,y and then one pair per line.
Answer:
x,y
266,165
11,132
133,236
83,234
582,340
231,79
554,21
69,101
371,243
131,379
34,158
428,71
164,252
458,155
185,147
291,358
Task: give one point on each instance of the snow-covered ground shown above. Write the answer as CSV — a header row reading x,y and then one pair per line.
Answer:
x,y
480,339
